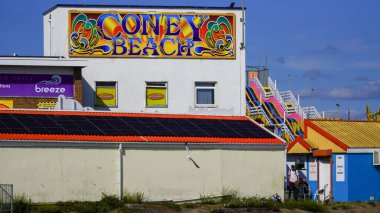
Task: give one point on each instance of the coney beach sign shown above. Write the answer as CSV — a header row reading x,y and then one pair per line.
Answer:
x,y
151,35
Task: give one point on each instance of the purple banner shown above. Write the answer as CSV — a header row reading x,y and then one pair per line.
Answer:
x,y
36,85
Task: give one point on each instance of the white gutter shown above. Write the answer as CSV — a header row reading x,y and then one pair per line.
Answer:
x,y
362,150
138,145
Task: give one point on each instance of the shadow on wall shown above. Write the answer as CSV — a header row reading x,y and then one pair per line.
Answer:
x,y
377,168
99,101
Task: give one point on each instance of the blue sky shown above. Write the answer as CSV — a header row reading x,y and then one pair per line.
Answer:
x,y
328,51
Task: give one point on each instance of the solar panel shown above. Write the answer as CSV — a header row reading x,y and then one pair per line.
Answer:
x,y
128,126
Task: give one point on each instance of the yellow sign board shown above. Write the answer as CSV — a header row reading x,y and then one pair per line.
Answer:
x,y
7,104
156,97
46,105
106,96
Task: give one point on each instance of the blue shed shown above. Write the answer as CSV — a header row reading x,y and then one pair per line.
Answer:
x,y
341,158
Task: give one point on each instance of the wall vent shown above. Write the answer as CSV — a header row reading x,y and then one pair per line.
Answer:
x,y
376,157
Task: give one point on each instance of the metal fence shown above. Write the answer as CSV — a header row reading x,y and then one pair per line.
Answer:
x,y
6,198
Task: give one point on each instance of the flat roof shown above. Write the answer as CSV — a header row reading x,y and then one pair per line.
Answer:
x,y
139,7
43,61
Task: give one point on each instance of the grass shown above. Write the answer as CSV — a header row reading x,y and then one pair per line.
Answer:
x,y
231,199
21,204
228,199
135,197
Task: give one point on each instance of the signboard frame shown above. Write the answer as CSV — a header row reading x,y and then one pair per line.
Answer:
x,y
114,29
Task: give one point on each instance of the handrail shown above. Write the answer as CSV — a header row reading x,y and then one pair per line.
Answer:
x,y
260,111
278,96
258,83
311,112
287,130
288,96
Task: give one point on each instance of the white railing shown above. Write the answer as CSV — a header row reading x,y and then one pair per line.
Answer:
x,y
259,110
311,112
288,96
255,110
278,96
258,83
286,129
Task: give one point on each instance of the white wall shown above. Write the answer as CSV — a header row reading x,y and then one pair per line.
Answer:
x,y
132,73
54,174
59,174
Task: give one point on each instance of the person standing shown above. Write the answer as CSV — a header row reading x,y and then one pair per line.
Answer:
x,y
293,177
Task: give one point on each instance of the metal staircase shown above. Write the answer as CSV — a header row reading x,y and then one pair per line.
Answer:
x,y
264,91
310,112
278,96
289,104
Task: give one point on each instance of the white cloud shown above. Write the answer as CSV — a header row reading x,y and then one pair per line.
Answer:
x,y
340,93
368,90
310,63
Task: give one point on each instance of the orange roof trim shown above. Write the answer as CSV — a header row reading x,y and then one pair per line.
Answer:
x,y
138,139
98,113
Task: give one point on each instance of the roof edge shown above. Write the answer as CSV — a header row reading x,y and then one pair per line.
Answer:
x,y
108,113
267,130
301,141
140,6
137,138
137,145
331,120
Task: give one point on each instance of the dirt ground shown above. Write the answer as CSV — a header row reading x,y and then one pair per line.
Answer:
x,y
335,208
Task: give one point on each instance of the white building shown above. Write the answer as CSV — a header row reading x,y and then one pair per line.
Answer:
x,y
165,80
155,63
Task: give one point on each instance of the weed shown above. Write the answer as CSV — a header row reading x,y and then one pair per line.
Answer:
x,y
373,204
81,206
110,201
21,204
210,199
136,197
189,205
228,195
47,208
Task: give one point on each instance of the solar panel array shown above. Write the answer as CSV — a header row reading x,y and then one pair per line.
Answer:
x,y
128,126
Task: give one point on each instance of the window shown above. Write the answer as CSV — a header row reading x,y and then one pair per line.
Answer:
x,y
205,94
106,94
300,163
156,94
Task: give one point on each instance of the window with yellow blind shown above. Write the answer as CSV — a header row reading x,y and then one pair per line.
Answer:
x,y
106,94
156,94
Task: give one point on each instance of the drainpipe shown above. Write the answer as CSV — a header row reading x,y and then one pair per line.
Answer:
x,y
121,171
50,29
